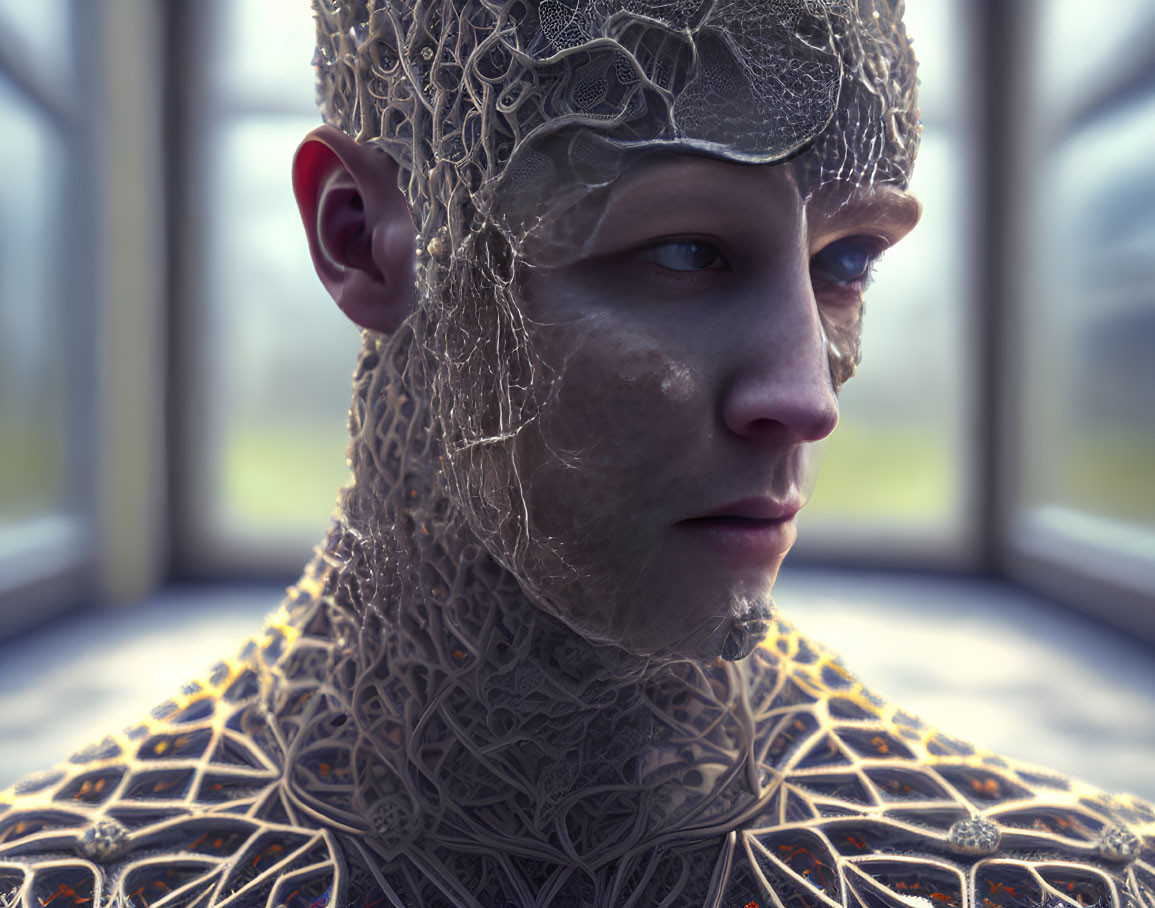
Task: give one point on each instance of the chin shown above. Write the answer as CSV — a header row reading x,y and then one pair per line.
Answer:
x,y
732,635
746,634
699,617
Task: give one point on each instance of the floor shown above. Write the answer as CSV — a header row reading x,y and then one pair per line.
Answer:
x,y
984,661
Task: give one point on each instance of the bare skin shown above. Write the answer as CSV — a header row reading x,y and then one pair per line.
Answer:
x,y
690,335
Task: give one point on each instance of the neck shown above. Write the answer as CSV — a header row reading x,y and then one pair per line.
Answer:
x,y
452,717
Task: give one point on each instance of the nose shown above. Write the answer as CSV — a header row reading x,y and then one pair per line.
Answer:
x,y
780,388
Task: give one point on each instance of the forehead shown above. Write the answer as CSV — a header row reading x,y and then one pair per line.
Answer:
x,y
665,192
667,175
670,175
663,184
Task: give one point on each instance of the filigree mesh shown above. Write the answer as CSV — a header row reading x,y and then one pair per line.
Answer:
x,y
286,779
417,726
510,118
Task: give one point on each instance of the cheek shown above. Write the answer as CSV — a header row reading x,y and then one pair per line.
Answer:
x,y
843,328
618,438
627,399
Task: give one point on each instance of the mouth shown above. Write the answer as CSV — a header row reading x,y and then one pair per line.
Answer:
x,y
750,533
754,510
730,521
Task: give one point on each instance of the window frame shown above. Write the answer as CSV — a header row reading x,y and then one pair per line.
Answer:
x,y
154,326
48,562
110,117
201,551
1114,584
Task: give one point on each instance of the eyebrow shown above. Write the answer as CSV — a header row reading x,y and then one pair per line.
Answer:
x,y
844,205
836,205
887,209
696,174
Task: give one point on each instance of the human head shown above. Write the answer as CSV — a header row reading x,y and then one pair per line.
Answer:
x,y
509,126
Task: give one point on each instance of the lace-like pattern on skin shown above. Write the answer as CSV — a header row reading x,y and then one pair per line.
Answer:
x,y
412,731
509,118
416,727
783,783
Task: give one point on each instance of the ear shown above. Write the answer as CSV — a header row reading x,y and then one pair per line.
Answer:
x,y
360,232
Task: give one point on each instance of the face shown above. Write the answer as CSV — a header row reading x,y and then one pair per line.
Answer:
x,y
697,337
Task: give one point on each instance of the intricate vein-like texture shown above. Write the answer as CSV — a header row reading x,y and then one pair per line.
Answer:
x,y
779,781
417,726
511,119
411,730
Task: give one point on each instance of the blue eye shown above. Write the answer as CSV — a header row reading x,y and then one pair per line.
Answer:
x,y
683,255
847,261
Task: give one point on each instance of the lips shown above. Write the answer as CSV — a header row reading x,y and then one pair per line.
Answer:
x,y
753,510
750,533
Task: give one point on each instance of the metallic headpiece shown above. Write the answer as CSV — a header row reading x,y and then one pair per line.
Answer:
x,y
467,94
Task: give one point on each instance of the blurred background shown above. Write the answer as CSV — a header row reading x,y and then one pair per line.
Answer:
x,y
173,380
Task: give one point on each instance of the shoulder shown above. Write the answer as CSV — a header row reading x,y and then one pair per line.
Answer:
x,y
188,807
874,807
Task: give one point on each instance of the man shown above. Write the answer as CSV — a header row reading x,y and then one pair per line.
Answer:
x,y
535,661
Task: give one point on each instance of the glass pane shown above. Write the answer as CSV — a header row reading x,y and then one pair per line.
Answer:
x,y
279,355
265,48
1082,53
897,469
897,462
1085,499
1089,419
41,33
276,356
935,27
33,349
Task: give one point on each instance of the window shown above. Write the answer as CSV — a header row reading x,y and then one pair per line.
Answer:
x,y
45,519
1084,504
898,476
270,373
271,357
1003,419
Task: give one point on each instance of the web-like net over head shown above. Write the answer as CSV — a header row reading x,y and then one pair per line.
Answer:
x,y
509,117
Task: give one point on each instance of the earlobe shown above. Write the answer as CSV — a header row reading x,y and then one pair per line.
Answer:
x,y
357,222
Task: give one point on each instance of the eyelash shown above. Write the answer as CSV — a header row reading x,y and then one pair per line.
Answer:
x,y
822,264
869,248
650,252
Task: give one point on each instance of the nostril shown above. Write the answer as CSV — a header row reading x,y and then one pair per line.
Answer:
x,y
793,420
767,429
